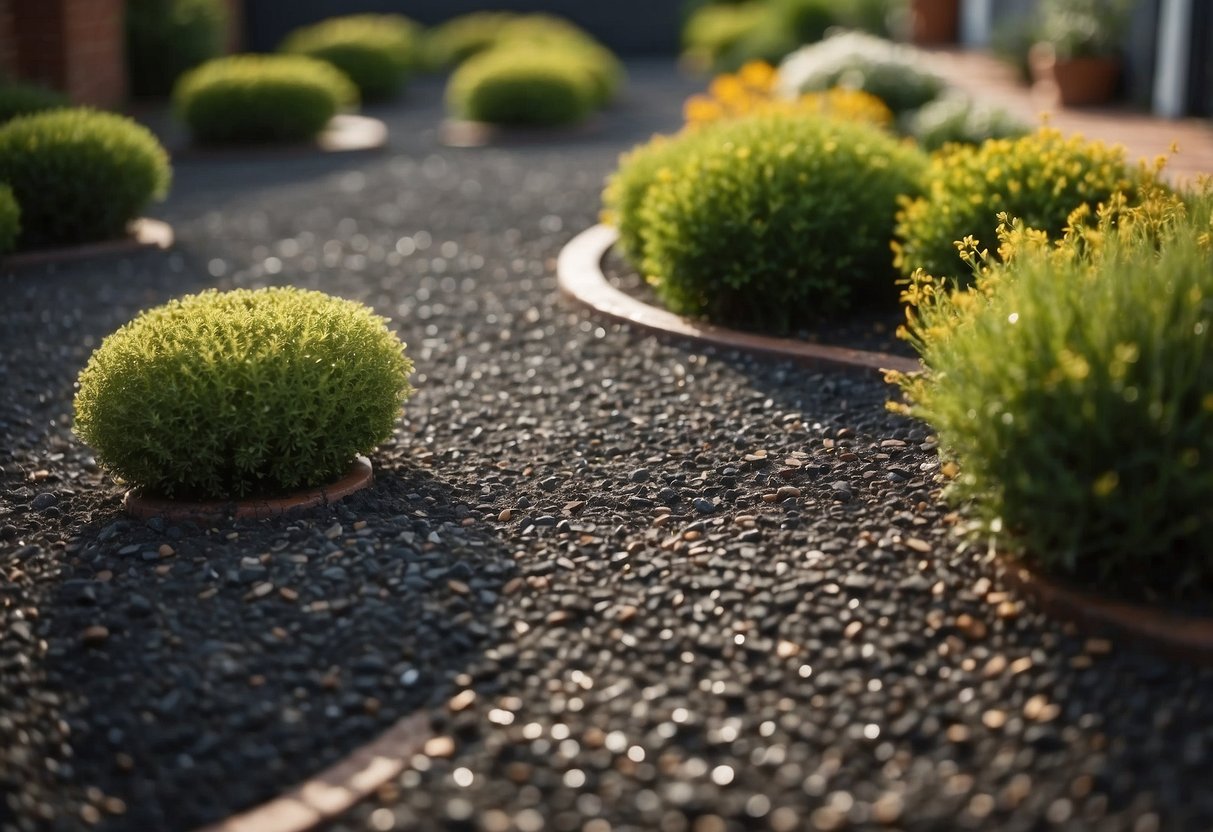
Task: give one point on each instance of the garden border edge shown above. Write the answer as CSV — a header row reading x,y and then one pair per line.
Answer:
x,y
579,273
344,133
145,234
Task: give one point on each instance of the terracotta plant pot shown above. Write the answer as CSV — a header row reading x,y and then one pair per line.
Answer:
x,y
1074,82
934,21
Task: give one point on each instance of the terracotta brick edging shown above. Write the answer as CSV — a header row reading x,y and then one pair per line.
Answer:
x,y
1180,636
338,787
454,132
579,272
345,133
144,234
357,477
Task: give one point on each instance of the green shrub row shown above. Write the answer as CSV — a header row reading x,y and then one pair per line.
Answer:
x,y
223,395
78,175
164,38
375,51
1072,386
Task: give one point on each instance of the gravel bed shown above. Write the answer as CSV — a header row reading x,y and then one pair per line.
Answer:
x,y
642,585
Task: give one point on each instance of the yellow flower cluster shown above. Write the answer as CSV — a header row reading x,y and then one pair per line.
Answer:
x,y
752,90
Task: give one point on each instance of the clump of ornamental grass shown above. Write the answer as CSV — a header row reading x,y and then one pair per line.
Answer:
x,y
1040,179
775,220
250,99
227,395
80,175
1071,386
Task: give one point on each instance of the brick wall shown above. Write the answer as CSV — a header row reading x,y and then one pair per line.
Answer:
x,y
72,45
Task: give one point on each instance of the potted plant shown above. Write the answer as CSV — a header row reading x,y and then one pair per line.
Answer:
x,y
1076,59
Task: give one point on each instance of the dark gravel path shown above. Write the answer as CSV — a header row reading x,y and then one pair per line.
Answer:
x,y
644,587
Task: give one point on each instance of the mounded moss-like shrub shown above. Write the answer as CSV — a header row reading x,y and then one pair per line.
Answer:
x,y
1072,391
454,41
224,395
261,98
164,38
10,219
776,220
957,119
628,186
18,99
891,72
80,175
375,51
716,30
522,87
1039,178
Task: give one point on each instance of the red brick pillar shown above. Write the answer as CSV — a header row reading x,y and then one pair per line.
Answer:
x,y
77,46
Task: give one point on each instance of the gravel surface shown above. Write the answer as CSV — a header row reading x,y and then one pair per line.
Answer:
x,y
642,585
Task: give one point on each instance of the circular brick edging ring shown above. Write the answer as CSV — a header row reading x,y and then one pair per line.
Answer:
x,y
357,477
454,132
337,788
144,234
579,272
1180,636
345,133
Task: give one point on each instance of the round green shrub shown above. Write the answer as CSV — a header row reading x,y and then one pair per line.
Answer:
x,y
261,98
628,186
807,21
713,31
453,42
891,72
957,119
17,99
164,38
375,51
224,395
522,87
776,220
10,219
1073,389
80,175
1039,178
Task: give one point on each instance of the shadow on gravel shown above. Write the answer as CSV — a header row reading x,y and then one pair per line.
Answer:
x,y
194,672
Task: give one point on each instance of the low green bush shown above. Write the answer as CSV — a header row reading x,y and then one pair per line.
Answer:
x,y
261,98
454,41
519,86
628,186
224,395
375,51
164,38
957,119
10,219
713,31
1072,389
17,99
80,175
807,21
1039,178
776,220
891,72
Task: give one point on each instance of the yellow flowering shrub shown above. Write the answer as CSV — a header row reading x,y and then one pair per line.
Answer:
x,y
1039,178
1071,386
752,90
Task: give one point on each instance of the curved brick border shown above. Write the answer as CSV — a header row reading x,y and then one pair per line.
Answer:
x,y
337,788
144,234
358,477
1186,637
459,133
579,270
346,133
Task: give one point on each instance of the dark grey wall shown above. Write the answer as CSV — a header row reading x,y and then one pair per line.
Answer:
x,y
634,27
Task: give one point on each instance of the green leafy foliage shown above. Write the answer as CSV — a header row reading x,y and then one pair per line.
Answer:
x,y
958,119
17,99
223,395
628,186
1039,178
713,31
164,38
454,41
511,85
1084,28
375,51
261,98
774,220
10,219
1072,389
854,60
80,175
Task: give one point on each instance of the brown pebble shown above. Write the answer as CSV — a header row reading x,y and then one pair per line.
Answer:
x,y
95,635
853,629
627,612
442,747
787,649
331,680
104,576
166,551
462,700
770,497
691,534
917,544
371,705
513,585
288,594
970,627
1098,646
256,680
788,492
505,515
994,719
559,617
458,587
887,809
124,761
994,667
958,734
519,773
